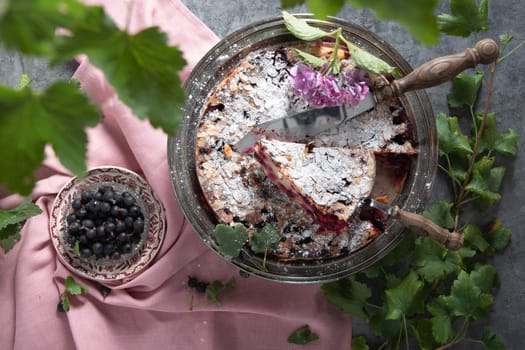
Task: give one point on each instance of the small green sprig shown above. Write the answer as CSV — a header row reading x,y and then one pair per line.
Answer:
x,y
231,240
11,223
362,59
302,336
73,288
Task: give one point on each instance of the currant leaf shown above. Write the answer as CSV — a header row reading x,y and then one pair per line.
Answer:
x,y
9,235
57,116
474,237
310,59
141,67
442,328
466,298
451,138
466,17
486,180
485,277
349,295
359,343
402,299
217,288
301,29
22,212
266,239
322,8
417,16
433,261
498,236
491,341
441,213
231,239
465,89
302,335
422,330
492,140
30,26
73,287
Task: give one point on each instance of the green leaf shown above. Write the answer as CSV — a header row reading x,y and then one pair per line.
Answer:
x,y
451,138
266,239
10,223
383,327
465,18
310,59
291,3
74,288
21,213
422,330
433,261
322,8
302,335
466,298
141,67
417,16
365,60
349,295
440,212
231,239
30,25
401,299
491,341
359,343
57,116
498,236
505,38
474,237
492,140
301,29
465,89
64,302
403,251
9,235
362,59
372,272
438,306
486,180
485,277
216,288
24,81
442,328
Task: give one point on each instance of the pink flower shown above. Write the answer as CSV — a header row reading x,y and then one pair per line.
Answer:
x,y
328,90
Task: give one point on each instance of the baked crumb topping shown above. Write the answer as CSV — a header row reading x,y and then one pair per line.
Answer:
x,y
236,186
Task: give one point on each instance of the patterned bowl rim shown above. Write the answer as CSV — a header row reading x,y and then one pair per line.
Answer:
x,y
107,270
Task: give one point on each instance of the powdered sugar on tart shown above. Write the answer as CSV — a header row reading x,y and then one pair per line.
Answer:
x,y
327,182
237,189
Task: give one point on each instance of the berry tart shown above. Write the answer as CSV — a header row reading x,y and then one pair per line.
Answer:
x,y
307,190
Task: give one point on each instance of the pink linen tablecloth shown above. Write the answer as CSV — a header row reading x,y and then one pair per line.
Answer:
x,y
152,311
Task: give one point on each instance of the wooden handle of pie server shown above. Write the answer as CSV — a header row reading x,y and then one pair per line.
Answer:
x,y
442,69
426,227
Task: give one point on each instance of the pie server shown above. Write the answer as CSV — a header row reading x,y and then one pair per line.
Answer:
x,y
419,224
306,124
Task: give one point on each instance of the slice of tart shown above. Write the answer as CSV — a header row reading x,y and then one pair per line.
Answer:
x,y
328,182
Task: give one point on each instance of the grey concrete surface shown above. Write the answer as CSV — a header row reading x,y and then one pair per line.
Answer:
x,y
225,16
